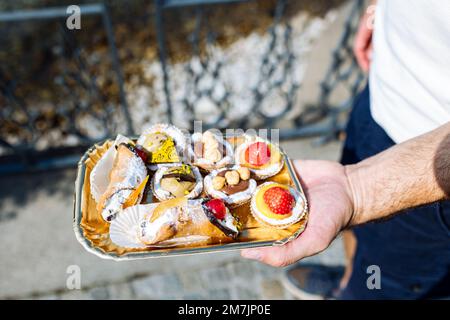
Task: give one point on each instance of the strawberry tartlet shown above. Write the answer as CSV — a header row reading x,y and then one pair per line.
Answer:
x,y
277,205
262,158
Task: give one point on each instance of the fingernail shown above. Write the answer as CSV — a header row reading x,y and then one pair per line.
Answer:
x,y
251,254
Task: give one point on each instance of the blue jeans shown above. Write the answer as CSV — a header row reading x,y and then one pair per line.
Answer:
x,y
411,249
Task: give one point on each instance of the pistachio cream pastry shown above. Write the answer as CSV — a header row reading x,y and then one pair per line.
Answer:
x,y
264,159
127,181
233,185
210,151
163,143
277,205
177,180
181,221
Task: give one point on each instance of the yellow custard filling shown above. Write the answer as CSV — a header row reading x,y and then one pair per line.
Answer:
x,y
161,150
263,208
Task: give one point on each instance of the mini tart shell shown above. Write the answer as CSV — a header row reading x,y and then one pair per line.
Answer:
x,y
298,212
264,173
233,200
170,130
163,195
208,165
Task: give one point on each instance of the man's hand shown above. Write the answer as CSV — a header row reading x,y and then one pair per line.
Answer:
x,y
410,174
330,210
363,40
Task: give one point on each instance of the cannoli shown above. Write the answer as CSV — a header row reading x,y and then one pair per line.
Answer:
x,y
185,221
127,181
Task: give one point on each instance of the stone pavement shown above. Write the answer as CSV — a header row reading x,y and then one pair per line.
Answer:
x,y
234,279
38,243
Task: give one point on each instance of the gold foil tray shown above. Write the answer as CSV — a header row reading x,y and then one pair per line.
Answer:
x,y
93,232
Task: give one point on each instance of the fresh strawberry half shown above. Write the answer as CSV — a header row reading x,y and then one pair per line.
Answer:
x,y
279,200
217,207
257,154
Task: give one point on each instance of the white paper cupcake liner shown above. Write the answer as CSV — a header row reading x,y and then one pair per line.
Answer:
x,y
163,195
99,177
207,164
124,231
233,200
298,212
259,174
173,132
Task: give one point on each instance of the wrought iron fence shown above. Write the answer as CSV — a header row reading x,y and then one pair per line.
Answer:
x,y
276,74
86,102
23,121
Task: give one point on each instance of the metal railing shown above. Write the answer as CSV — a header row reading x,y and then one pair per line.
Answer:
x,y
23,117
322,119
343,71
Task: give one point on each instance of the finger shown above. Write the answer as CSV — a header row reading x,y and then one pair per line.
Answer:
x,y
362,43
274,256
366,59
363,35
369,55
359,59
370,52
363,58
287,254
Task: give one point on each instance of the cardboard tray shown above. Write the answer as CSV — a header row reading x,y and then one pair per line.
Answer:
x,y
93,232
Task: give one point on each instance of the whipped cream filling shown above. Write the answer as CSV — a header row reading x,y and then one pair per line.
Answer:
x,y
115,204
149,230
297,212
229,221
238,197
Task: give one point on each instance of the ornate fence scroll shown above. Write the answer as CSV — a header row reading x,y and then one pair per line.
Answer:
x,y
59,98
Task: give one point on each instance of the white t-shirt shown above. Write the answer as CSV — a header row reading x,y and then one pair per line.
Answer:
x,y
410,70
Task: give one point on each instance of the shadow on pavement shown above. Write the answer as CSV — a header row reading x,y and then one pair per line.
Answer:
x,y
17,191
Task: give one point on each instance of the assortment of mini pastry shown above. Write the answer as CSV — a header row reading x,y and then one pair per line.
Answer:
x,y
168,188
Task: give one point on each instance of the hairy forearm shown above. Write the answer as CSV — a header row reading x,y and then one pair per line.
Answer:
x,y
407,175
